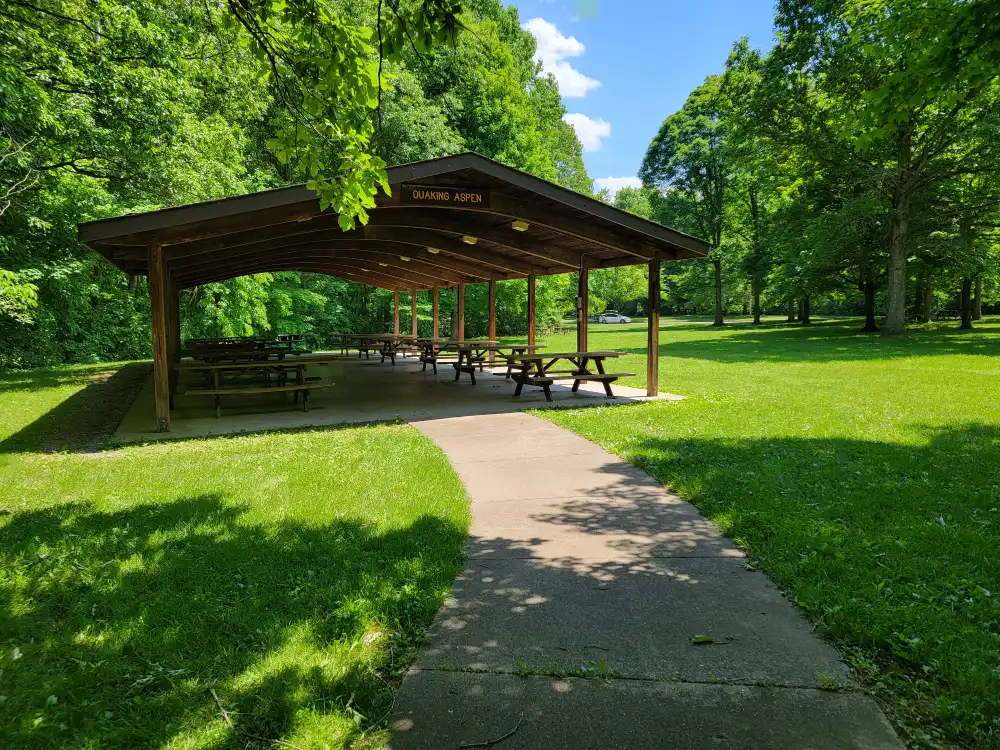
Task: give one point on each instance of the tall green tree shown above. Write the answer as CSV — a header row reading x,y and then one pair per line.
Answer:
x,y
688,160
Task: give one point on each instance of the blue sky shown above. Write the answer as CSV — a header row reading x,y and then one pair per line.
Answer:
x,y
624,65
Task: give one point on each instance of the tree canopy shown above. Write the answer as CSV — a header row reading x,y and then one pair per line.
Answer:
x,y
853,165
108,108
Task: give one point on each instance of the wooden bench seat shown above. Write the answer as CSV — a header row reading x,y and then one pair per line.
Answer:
x,y
545,381
435,361
216,393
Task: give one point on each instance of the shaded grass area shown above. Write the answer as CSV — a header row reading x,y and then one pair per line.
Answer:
x,y
863,476
72,408
292,573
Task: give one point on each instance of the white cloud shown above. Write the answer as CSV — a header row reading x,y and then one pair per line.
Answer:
x,y
552,49
614,184
590,132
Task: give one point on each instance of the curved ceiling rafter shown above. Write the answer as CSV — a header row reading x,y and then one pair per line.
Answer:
x,y
318,252
348,273
233,271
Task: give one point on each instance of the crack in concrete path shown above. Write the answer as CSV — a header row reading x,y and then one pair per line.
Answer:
x,y
570,546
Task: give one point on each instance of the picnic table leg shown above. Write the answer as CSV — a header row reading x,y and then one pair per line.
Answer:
x,y
458,366
607,385
218,407
305,400
300,378
521,378
581,370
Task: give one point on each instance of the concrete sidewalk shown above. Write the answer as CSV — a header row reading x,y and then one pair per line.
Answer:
x,y
573,620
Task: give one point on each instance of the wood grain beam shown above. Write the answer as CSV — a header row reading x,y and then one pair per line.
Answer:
x,y
422,270
380,280
445,222
426,237
324,238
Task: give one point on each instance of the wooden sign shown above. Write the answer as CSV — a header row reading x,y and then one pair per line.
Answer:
x,y
433,195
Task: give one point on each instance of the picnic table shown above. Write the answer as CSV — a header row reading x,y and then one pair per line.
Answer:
x,y
473,354
282,370
538,370
241,353
281,341
434,348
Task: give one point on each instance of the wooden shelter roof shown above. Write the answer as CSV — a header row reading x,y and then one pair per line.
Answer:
x,y
415,239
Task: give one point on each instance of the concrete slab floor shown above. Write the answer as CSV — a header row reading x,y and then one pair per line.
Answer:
x,y
363,391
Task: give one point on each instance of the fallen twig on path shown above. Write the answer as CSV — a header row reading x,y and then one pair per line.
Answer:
x,y
501,738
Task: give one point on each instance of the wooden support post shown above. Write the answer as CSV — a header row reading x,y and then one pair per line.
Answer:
x,y
158,317
531,309
434,312
413,313
395,313
173,325
653,329
460,336
491,329
583,292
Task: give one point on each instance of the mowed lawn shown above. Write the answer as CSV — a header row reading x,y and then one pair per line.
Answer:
x,y
863,475
292,574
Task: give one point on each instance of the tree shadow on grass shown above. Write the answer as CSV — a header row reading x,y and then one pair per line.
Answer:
x,y
84,421
832,341
887,547
120,623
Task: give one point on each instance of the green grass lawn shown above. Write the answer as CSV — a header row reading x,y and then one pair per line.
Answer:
x,y
291,573
861,474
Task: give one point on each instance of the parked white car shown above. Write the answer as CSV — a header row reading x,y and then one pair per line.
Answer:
x,y
612,316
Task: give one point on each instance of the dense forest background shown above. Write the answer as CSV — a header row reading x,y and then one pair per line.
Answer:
x,y
851,169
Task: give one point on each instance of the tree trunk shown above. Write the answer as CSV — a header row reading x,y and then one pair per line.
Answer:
x,y
918,300
806,320
756,304
966,301
895,316
977,300
801,309
928,299
717,262
870,325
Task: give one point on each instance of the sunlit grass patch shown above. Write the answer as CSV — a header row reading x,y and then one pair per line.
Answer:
x,y
291,573
863,475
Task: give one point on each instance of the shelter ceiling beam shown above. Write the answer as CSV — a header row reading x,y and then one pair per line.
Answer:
x,y
384,260
248,219
375,247
429,238
447,223
342,270
319,238
504,206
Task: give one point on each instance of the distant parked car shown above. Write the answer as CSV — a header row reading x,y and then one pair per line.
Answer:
x,y
613,316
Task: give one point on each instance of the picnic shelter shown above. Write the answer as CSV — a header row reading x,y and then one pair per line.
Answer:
x,y
449,222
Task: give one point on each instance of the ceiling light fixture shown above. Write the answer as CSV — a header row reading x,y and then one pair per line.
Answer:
x,y
433,250
384,265
519,226
404,259
470,240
